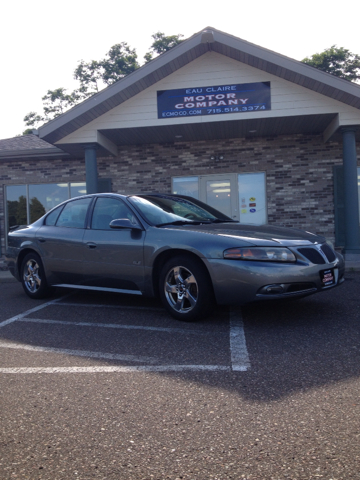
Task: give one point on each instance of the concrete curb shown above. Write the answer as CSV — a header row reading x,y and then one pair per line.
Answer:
x,y
6,277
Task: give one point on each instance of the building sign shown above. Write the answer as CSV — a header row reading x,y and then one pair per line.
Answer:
x,y
192,102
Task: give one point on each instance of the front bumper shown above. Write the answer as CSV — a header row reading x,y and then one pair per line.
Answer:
x,y
239,282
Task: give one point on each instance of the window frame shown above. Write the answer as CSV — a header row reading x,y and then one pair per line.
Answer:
x,y
26,186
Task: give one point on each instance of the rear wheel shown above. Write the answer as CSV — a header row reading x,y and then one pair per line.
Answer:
x,y
185,289
33,277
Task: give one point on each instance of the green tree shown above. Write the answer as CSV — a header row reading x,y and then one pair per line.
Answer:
x,y
119,62
58,101
89,76
162,44
17,211
55,102
338,61
93,76
37,209
32,119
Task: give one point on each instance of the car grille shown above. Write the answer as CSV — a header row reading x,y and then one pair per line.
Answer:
x,y
314,256
328,252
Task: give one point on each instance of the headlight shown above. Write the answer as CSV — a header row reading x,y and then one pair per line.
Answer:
x,y
263,254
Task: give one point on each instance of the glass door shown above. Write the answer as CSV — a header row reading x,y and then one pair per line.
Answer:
x,y
241,197
220,192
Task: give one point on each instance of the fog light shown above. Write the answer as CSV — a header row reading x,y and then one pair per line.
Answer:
x,y
274,289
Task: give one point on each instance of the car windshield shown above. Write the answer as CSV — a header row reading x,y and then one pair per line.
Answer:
x,y
164,210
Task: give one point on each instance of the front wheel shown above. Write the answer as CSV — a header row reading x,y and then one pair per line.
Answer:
x,y
33,277
185,289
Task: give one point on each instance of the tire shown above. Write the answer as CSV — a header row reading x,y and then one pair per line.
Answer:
x,y
33,277
185,289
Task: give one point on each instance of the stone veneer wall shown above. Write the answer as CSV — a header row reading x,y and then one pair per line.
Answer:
x,y
299,173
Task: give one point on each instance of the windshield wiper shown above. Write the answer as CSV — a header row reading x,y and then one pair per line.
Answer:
x,y
219,220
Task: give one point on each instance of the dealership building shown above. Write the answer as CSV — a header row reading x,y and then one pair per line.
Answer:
x,y
262,137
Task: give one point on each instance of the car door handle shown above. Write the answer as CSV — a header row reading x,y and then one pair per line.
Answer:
x,y
41,239
91,245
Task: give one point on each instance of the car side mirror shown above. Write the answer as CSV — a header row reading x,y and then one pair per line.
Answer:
x,y
121,223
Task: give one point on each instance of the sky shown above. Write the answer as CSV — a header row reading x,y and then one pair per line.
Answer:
x,y
42,42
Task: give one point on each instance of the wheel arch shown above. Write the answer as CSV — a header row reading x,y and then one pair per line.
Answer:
x,y
166,255
21,257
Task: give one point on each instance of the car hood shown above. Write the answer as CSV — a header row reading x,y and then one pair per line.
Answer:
x,y
256,234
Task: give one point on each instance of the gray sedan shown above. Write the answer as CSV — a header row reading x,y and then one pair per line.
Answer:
x,y
171,246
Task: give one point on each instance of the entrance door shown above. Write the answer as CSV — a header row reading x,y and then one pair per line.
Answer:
x,y
240,196
220,192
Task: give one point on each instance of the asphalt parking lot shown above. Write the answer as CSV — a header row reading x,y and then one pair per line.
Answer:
x,y
106,386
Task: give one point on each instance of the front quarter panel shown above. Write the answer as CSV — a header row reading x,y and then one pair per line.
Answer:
x,y
174,241
239,281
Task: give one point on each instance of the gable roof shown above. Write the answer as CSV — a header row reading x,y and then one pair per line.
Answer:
x,y
209,39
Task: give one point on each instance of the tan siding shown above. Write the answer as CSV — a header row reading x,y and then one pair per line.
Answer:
x,y
287,99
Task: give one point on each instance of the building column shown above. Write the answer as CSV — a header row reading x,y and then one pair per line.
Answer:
x,y
91,168
352,229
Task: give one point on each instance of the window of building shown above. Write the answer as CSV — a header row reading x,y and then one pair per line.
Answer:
x,y
252,198
27,203
188,186
239,196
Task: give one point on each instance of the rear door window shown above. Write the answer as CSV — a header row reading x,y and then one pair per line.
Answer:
x,y
74,214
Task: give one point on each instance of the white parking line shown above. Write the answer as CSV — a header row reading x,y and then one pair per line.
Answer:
x,y
114,325
78,353
112,369
32,310
240,361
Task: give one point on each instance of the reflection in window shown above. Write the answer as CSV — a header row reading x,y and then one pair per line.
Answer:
x,y
108,209
44,197
218,195
186,186
53,216
16,205
27,203
74,213
77,189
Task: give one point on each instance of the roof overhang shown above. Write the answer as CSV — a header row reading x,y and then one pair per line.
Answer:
x,y
310,124
29,153
179,56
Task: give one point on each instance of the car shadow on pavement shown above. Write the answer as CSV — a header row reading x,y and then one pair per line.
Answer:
x,y
299,345
293,346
